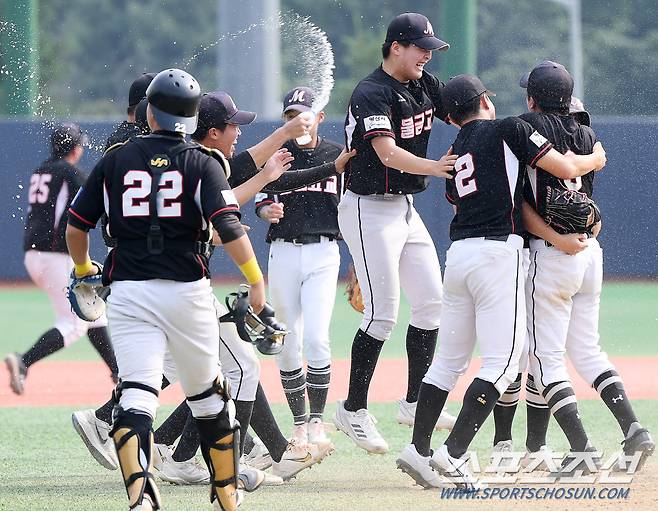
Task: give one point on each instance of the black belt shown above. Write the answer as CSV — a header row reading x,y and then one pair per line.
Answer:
x,y
307,239
497,238
195,247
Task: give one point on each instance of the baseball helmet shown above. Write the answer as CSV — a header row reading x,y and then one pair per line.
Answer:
x,y
174,97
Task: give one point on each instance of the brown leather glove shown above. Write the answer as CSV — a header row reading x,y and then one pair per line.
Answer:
x,y
353,290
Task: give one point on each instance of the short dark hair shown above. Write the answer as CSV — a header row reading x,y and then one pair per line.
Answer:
x,y
386,47
466,110
550,109
202,131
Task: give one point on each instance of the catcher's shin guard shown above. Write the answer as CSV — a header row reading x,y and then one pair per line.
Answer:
x,y
133,439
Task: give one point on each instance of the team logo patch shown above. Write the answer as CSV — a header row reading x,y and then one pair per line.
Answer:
x,y
229,197
377,122
159,161
537,139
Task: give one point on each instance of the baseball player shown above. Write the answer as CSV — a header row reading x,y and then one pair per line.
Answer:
x,y
484,280
388,122
52,188
161,195
303,271
131,126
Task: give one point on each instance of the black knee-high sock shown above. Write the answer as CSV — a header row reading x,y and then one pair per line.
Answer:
x,y
561,400
104,412
294,386
243,411
610,387
265,426
189,440
100,340
317,387
365,353
420,351
479,401
505,409
173,425
49,342
431,401
538,415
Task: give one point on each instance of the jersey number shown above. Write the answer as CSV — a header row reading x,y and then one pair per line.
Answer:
x,y
464,179
135,200
39,189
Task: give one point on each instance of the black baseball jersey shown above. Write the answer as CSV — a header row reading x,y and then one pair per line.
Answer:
x,y
312,209
193,192
124,131
382,106
566,135
487,189
52,188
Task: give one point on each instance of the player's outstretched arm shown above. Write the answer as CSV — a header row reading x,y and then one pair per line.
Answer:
x,y
77,241
570,165
294,128
394,156
535,224
277,164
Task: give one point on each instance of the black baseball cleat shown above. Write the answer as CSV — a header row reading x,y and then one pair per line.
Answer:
x,y
17,372
591,465
639,441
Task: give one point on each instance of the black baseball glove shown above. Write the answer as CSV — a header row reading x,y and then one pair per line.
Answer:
x,y
569,211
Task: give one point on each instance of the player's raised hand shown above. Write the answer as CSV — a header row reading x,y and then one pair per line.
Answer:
x,y
299,125
278,163
343,158
443,166
272,212
571,243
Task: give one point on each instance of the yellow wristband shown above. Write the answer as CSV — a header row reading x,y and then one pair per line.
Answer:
x,y
84,268
251,271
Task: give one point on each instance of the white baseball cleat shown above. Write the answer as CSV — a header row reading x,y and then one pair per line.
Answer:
x,y
96,435
250,479
502,446
316,432
146,505
239,500
360,427
300,433
297,457
17,372
259,457
407,413
530,459
418,468
178,472
455,470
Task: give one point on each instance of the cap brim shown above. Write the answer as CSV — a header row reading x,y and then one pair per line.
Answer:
x,y
523,82
431,43
168,122
241,117
299,108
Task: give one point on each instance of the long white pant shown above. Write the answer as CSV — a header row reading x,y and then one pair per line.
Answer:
x,y
302,282
147,318
563,295
50,271
483,300
391,247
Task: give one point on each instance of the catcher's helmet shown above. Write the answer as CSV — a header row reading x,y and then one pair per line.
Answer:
x,y
174,97
262,330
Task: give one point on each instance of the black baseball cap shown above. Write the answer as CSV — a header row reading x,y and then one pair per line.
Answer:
x,y
299,98
138,88
218,108
65,138
414,28
578,112
549,83
460,90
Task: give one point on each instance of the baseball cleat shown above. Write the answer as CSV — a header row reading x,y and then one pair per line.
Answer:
x,y
300,433
187,472
259,457
360,427
297,457
250,479
582,468
530,458
503,446
455,470
239,500
146,505
96,435
316,432
17,372
418,468
407,413
639,441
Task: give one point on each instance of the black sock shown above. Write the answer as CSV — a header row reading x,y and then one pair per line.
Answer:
x,y
265,426
50,342
566,414
420,351
365,353
173,425
189,441
294,386
104,412
611,389
479,401
248,441
431,401
100,340
505,409
243,410
538,415
317,387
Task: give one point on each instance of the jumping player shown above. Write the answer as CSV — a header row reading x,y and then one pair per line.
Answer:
x,y
389,120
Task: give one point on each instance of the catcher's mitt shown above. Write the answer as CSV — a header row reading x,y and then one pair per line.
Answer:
x,y
353,290
569,211
87,294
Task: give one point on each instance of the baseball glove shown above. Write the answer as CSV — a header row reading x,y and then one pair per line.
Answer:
x,y
569,211
353,290
87,294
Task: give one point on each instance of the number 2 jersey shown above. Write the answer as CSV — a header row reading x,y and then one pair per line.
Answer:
x,y
487,189
52,187
193,192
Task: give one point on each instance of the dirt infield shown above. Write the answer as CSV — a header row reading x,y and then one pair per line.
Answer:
x,y
88,383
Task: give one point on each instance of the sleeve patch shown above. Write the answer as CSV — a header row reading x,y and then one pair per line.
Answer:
x,y
229,197
537,139
377,122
